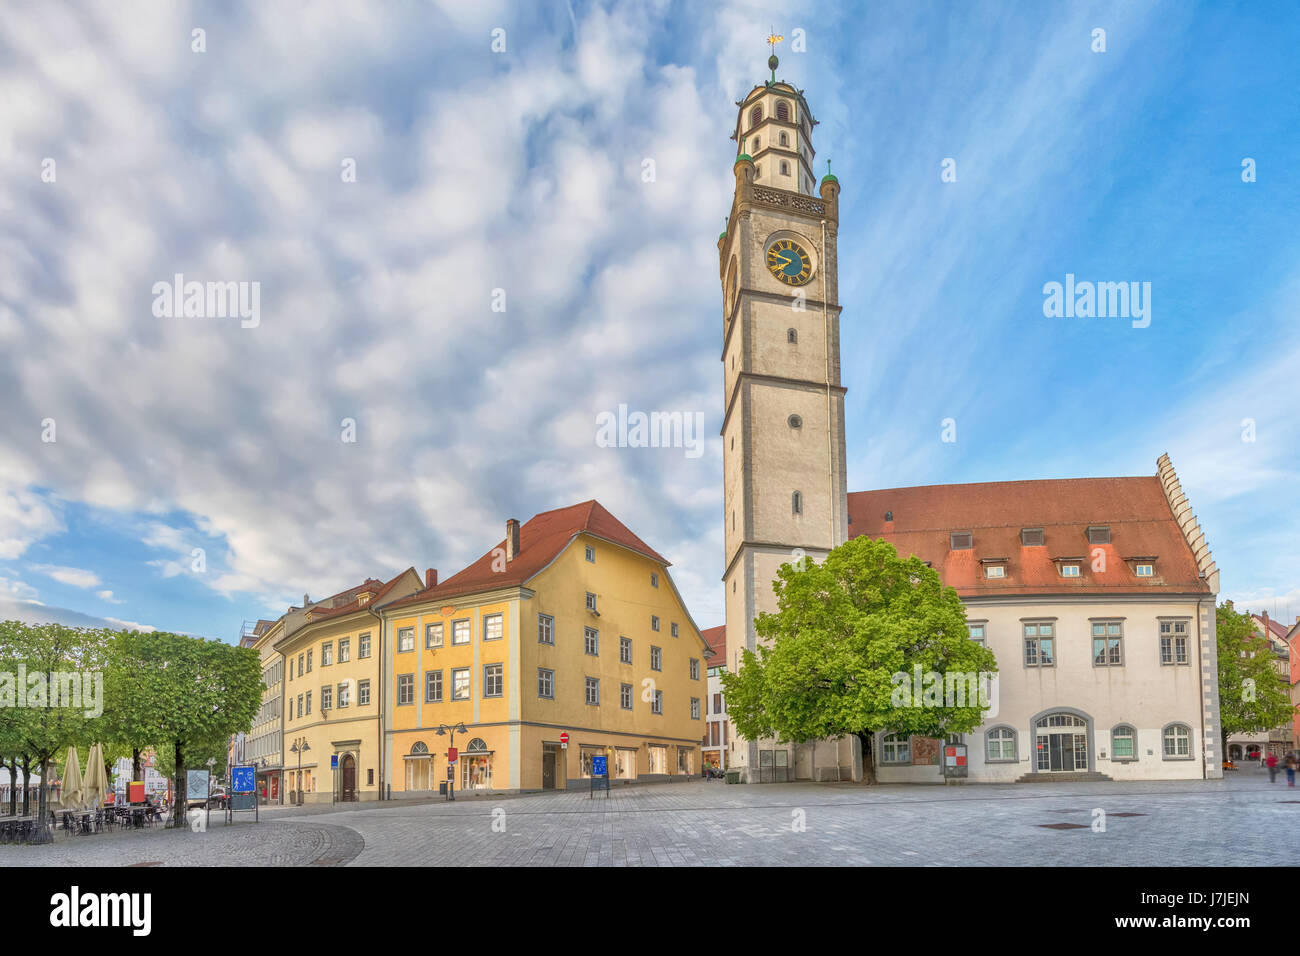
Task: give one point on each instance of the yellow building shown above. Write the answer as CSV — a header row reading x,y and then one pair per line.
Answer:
x,y
571,625
332,694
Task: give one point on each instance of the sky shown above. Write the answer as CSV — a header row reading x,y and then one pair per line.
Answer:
x,y
461,263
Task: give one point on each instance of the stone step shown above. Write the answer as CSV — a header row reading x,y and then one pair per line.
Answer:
x,y
1078,776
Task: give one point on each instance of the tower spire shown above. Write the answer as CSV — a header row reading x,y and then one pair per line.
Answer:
x,y
773,39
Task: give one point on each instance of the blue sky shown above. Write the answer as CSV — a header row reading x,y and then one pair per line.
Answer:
x,y
521,171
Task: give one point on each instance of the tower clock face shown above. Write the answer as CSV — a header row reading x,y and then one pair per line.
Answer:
x,y
788,261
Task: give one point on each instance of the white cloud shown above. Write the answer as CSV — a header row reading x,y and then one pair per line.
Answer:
x,y
475,172
73,577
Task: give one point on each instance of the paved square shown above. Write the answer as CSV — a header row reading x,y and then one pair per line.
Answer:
x,y
1240,821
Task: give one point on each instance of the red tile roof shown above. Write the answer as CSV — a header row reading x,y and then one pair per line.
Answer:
x,y
1279,629
541,538
1135,509
321,612
716,638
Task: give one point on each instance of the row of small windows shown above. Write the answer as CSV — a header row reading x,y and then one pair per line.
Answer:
x,y
591,689
327,654
328,695
756,143
493,684
782,113
1029,537
546,624
1107,642
1000,743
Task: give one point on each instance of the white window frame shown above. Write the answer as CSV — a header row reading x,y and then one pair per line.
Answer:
x,y
456,632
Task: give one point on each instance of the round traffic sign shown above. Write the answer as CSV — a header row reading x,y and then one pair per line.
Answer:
x,y
564,738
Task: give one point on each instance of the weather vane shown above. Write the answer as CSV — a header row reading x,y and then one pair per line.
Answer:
x,y
773,39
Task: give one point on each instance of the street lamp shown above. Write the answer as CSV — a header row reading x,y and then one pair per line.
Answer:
x,y
300,747
443,730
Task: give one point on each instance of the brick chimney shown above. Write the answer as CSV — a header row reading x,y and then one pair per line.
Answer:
x,y
512,538
431,578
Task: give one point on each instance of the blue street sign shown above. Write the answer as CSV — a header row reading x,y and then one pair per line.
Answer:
x,y
243,779
334,762
600,766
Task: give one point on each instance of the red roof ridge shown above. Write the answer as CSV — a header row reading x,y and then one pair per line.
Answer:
x,y
541,539
1008,481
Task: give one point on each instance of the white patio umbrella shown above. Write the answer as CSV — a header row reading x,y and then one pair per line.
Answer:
x,y
95,785
71,780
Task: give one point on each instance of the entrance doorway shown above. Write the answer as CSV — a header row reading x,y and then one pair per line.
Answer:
x,y
1062,743
348,775
549,754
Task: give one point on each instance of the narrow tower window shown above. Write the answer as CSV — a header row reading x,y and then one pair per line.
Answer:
x,y
785,168
755,115
783,112
796,503
785,140
792,336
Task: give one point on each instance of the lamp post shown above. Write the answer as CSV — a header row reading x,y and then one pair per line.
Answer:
x,y
444,730
300,747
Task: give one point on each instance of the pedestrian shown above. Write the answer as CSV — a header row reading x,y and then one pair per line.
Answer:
x,y
1290,769
1271,762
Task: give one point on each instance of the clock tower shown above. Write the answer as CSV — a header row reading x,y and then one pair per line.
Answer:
x,y
783,425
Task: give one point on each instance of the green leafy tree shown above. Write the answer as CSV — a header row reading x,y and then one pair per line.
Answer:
x,y
52,719
185,693
1253,694
840,655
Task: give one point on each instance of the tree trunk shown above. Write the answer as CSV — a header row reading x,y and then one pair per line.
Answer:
x,y
13,790
868,758
135,763
27,782
178,798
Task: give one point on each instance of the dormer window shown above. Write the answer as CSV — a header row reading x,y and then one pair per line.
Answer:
x,y
1031,537
961,541
1144,566
994,567
363,598
1069,570
1099,534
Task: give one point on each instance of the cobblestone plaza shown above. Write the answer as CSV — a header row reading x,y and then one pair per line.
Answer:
x,y
1241,821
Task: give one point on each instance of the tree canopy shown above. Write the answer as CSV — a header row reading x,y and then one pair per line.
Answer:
x,y
1253,695
852,638
171,691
